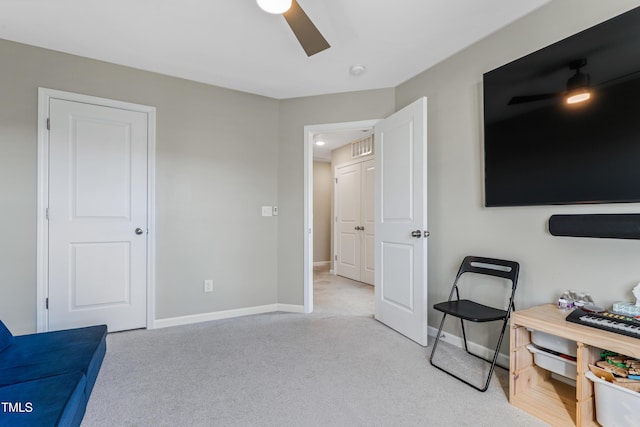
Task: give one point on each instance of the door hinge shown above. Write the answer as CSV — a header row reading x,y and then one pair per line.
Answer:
x,y
46,303
335,257
336,180
46,214
48,123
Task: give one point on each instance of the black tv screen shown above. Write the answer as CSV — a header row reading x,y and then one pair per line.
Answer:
x,y
538,149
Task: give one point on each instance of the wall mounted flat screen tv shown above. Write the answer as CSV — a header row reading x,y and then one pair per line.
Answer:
x,y
538,149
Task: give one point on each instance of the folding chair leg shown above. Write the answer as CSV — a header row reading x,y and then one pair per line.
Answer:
x,y
464,337
491,361
435,343
495,353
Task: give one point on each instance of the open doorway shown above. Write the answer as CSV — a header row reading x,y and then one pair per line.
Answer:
x,y
334,135
400,218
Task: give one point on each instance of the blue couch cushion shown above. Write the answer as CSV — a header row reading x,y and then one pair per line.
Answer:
x,y
52,353
5,336
52,401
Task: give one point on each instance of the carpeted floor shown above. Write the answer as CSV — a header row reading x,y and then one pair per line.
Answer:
x,y
336,367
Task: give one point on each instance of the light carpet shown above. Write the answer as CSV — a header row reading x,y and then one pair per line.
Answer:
x,y
336,367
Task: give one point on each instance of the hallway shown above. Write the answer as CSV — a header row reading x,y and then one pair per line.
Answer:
x,y
336,295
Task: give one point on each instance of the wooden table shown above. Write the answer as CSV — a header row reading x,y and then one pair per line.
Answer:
x,y
532,388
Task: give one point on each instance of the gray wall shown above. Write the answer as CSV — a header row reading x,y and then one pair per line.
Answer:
x,y
459,223
213,174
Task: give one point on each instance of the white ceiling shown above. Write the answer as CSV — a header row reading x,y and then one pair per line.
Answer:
x,y
234,44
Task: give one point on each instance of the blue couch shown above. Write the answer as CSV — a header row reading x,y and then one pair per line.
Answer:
x,y
46,379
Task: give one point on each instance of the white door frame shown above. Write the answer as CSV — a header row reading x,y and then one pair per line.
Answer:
x,y
42,234
309,132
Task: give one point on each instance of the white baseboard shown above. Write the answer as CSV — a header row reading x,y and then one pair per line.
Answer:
x,y
290,308
478,349
226,314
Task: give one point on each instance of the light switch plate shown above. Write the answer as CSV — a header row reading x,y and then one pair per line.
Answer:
x,y
267,211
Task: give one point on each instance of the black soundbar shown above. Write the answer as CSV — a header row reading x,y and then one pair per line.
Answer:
x,y
612,226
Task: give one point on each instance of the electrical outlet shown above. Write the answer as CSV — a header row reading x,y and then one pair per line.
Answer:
x,y
208,285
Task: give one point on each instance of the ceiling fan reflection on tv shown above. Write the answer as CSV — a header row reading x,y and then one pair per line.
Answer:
x,y
310,38
578,88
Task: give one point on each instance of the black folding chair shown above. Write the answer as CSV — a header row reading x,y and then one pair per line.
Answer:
x,y
465,309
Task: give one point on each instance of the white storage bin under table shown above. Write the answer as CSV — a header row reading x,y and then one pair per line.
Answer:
x,y
553,342
554,363
615,406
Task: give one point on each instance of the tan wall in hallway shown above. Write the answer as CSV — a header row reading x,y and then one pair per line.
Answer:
x,y
322,207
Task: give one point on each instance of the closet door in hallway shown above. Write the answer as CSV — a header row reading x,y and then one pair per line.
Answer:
x,y
354,213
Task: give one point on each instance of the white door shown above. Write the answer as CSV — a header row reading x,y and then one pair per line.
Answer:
x,y
355,249
401,222
97,216
348,182
367,269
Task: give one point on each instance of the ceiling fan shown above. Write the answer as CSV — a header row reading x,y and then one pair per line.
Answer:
x,y
310,38
578,88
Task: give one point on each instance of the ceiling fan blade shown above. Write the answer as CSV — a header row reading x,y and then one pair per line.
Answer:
x,y
305,31
523,99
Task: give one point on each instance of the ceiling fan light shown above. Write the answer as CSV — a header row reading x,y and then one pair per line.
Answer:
x,y
578,86
579,96
274,6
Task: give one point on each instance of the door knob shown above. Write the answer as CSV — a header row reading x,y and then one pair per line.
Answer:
x,y
416,233
139,231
